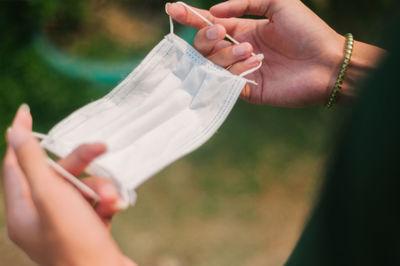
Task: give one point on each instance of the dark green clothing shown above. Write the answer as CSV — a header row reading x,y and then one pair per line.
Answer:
x,y
357,221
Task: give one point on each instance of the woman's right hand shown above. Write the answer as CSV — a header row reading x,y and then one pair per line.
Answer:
x,y
302,54
48,218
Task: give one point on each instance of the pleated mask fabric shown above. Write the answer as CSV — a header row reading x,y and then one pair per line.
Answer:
x,y
167,107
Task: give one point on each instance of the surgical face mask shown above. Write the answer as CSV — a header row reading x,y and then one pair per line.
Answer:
x,y
170,105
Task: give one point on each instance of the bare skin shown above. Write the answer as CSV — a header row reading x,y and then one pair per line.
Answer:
x,y
56,225
46,216
303,55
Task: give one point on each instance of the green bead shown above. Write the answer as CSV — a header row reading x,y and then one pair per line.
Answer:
x,y
340,80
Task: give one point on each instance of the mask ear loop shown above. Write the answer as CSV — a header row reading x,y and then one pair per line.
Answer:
x,y
171,24
68,176
229,37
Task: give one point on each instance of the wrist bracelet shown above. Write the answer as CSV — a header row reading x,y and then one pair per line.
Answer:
x,y
343,70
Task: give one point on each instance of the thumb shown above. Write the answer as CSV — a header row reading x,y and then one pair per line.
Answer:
x,y
238,8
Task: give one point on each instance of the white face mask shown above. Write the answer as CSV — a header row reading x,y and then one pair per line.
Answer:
x,y
170,105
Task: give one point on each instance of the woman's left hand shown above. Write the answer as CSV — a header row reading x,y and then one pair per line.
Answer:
x,y
46,216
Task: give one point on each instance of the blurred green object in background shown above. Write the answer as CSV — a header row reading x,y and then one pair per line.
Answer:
x,y
119,61
242,198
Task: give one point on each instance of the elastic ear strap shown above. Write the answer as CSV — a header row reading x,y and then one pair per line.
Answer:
x,y
229,37
67,175
171,25
207,21
260,57
75,181
39,135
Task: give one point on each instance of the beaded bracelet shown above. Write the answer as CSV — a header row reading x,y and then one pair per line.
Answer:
x,y
343,70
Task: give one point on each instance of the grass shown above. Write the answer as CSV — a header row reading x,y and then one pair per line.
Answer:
x,y
241,199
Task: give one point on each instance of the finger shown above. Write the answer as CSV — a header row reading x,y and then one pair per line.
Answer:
x,y
184,16
81,157
245,65
237,8
246,93
232,54
30,156
58,203
16,190
46,190
207,38
110,200
21,214
221,45
107,222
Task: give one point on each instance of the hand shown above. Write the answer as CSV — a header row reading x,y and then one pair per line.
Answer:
x,y
46,216
302,53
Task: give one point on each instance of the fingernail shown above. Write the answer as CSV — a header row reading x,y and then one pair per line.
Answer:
x,y
24,107
167,5
121,205
8,131
108,191
241,50
212,33
252,61
18,134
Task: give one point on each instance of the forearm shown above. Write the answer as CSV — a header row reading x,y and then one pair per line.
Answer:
x,y
365,59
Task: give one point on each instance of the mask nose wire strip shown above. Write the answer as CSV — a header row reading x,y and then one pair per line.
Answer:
x,y
229,37
67,175
207,21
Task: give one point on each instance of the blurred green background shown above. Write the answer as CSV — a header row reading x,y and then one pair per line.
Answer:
x,y
242,198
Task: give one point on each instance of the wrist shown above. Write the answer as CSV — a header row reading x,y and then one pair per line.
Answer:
x,y
364,60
